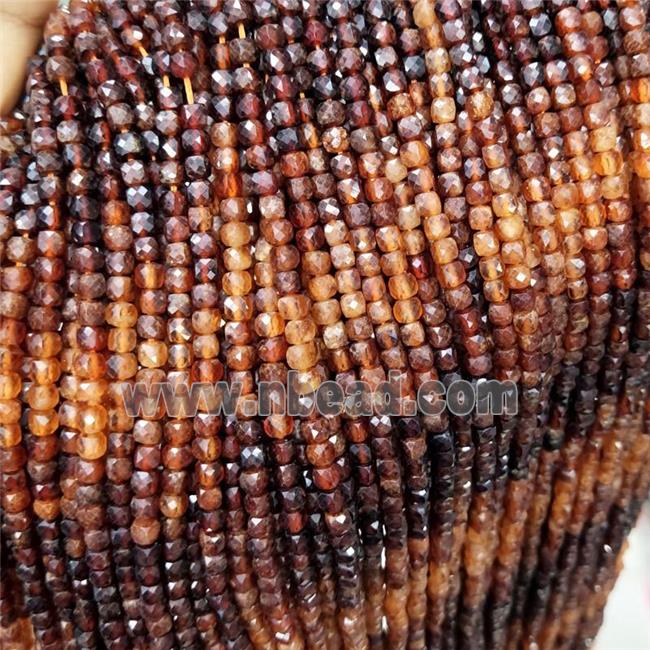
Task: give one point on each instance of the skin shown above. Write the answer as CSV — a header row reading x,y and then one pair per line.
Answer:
x,y
21,29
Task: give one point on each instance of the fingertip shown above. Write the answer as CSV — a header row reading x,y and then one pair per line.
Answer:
x,y
22,30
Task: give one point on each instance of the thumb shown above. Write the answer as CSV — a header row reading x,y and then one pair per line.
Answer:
x,y
21,29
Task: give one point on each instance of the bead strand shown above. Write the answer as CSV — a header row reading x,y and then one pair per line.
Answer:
x,y
610,379
633,68
232,82
537,191
449,226
563,101
121,312
574,42
621,516
618,210
343,225
42,370
414,291
294,163
484,503
275,275
140,168
404,260
359,287
16,242
19,526
394,193
182,348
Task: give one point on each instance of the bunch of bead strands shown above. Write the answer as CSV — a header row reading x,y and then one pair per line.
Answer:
x,y
347,216
415,292
18,250
391,503
545,241
608,164
606,488
414,289
414,193
206,317
444,228
627,438
482,128
191,314
134,173
608,480
634,440
611,382
335,333
234,82
404,349
416,198
118,469
45,343
205,321
610,472
44,315
296,165
177,454
633,67
150,348
546,129
622,519
121,312
270,272
41,397
239,562
526,562
394,328
564,194
85,340
517,437
483,515
547,126
277,278
451,187
582,546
